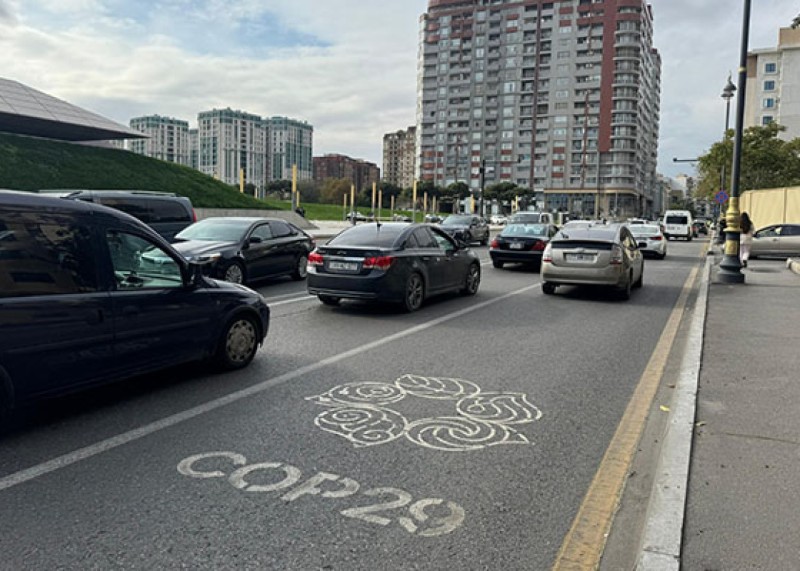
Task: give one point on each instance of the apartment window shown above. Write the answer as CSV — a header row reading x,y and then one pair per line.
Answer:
x,y
767,119
768,103
769,85
770,67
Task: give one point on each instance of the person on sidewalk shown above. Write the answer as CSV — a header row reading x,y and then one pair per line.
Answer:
x,y
745,237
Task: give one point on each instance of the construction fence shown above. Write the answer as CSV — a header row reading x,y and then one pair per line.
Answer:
x,y
772,205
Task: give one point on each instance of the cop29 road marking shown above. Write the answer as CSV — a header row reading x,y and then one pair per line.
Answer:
x,y
416,521
92,450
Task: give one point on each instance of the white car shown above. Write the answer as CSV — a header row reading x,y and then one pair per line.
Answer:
x,y
498,219
650,239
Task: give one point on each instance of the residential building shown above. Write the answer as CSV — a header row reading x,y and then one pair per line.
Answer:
x,y
360,172
168,139
232,142
558,96
400,157
773,85
194,149
289,142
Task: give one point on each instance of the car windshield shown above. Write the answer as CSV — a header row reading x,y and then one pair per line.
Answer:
x,y
526,217
215,230
457,221
379,235
524,230
645,230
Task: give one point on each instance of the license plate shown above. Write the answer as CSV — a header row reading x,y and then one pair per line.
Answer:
x,y
643,244
515,246
584,258
343,266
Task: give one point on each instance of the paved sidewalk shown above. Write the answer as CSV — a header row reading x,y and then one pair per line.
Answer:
x,y
743,505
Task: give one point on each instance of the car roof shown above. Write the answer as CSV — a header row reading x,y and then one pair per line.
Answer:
x,y
243,219
606,232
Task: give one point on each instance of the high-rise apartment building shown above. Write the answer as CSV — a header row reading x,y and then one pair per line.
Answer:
x,y
362,173
194,149
289,142
230,142
773,85
168,139
558,96
400,157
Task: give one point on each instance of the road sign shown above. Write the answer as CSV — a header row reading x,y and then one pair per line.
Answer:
x,y
721,197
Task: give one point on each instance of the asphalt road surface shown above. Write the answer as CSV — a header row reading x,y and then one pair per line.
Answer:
x,y
462,436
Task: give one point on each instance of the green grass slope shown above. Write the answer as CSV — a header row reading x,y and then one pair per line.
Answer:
x,y
28,164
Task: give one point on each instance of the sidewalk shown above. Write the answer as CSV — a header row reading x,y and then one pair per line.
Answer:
x,y
743,505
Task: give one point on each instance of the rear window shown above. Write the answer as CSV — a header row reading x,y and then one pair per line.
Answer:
x,y
380,235
136,207
534,217
588,245
675,219
169,211
525,230
645,231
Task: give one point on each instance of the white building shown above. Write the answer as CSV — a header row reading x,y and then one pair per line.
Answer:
x,y
290,142
400,157
232,142
168,139
773,85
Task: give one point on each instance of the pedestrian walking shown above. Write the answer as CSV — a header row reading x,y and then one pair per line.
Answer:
x,y
745,237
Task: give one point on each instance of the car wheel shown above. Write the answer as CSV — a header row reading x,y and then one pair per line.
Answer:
x,y
234,273
497,264
485,241
300,268
414,293
625,291
662,256
548,288
238,343
329,300
640,282
468,237
473,280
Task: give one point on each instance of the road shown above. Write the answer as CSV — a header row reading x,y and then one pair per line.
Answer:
x,y
273,467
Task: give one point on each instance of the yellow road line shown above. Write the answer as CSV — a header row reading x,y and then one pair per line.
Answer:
x,y
583,545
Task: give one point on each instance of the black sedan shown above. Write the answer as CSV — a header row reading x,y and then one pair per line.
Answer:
x,y
521,244
467,227
242,250
393,262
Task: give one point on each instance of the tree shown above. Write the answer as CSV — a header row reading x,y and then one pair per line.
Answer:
x,y
502,191
250,189
767,161
309,191
333,190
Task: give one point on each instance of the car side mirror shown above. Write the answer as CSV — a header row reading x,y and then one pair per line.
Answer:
x,y
255,240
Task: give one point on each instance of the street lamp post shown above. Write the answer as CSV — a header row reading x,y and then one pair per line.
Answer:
x,y
727,95
730,271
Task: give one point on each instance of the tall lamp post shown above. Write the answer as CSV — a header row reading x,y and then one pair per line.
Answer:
x,y
730,268
727,95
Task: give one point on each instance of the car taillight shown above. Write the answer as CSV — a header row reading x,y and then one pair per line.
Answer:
x,y
315,259
547,256
194,215
616,256
495,244
377,262
538,246
656,238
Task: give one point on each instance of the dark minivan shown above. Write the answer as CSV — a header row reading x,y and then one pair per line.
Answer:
x,y
165,212
79,305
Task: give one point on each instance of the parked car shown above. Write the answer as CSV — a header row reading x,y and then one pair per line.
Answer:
x,y
521,244
392,262
243,250
358,216
530,217
467,228
650,239
432,218
78,308
605,255
401,218
777,240
165,212
498,219
699,227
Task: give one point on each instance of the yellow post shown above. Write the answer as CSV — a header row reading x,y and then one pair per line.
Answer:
x,y
344,206
380,203
425,201
295,194
472,205
374,190
353,197
392,202
414,203
241,181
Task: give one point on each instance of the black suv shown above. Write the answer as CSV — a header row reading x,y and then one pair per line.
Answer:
x,y
165,212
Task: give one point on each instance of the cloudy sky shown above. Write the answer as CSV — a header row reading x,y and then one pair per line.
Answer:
x,y
348,67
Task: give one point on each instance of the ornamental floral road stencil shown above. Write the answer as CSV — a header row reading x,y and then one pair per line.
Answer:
x,y
361,413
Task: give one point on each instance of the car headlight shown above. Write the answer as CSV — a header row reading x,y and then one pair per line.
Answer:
x,y
203,259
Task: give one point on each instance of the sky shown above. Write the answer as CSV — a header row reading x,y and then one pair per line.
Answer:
x,y
347,67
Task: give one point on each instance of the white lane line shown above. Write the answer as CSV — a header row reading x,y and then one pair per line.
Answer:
x,y
305,297
75,456
270,298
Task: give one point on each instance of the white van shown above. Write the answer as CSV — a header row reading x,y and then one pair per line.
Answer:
x,y
678,224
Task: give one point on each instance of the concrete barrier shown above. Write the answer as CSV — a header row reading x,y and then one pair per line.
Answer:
x,y
287,215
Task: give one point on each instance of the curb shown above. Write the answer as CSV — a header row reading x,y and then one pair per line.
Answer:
x,y
663,530
793,265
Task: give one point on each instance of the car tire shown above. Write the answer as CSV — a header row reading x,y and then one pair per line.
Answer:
x,y
497,264
485,241
467,238
234,273
625,291
640,282
472,281
329,300
548,288
414,293
300,268
238,343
